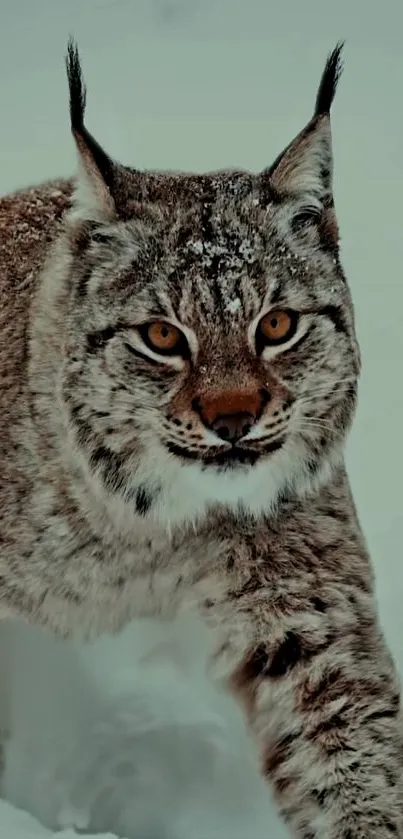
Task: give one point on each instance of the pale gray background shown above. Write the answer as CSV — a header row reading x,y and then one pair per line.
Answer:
x,y
209,83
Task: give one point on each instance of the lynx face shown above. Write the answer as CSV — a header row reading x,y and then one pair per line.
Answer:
x,y
211,355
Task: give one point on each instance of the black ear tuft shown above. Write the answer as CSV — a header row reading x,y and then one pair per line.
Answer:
x,y
77,89
100,171
329,81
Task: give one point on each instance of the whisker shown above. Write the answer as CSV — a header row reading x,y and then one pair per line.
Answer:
x,y
328,388
335,392
324,426
314,398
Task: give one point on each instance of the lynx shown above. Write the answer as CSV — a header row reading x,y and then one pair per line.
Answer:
x,y
179,373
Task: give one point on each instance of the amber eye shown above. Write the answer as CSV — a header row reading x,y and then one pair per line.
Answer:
x,y
164,338
276,327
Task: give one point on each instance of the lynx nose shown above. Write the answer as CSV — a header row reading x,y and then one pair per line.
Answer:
x,y
232,427
231,413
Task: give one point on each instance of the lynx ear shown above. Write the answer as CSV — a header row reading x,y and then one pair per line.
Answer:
x,y
304,170
97,180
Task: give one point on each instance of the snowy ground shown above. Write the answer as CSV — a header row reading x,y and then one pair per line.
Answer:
x,y
207,83
128,735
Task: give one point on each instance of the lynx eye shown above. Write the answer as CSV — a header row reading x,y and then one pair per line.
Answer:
x,y
276,327
164,338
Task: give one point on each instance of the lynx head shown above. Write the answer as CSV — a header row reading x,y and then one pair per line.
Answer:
x,y
211,356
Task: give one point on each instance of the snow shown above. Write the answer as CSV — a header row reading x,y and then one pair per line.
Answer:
x,y
15,824
234,305
184,84
127,734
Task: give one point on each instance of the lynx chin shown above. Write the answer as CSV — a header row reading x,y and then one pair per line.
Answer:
x,y
179,373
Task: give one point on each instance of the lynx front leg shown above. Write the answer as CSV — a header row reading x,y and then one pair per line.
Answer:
x,y
325,708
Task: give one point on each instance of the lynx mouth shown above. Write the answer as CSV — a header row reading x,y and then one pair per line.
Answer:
x,y
234,457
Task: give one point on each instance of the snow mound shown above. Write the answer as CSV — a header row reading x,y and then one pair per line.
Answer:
x,y
15,824
127,736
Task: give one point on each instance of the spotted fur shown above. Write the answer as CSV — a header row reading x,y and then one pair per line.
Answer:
x,y
119,499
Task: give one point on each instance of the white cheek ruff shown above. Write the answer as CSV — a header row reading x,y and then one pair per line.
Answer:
x,y
189,490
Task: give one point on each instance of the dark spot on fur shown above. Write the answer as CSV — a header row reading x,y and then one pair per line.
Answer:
x,y
280,751
267,193
293,650
97,340
282,785
334,723
101,237
321,796
208,603
319,604
76,409
143,501
110,467
82,284
331,685
288,403
335,314
255,665
265,397
272,447
179,582
387,713
83,430
101,455
391,826
286,657
312,466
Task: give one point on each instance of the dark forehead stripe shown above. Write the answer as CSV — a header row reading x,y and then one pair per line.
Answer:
x,y
218,239
208,232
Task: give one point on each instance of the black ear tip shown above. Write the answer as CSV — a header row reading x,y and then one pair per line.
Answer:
x,y
329,81
77,88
